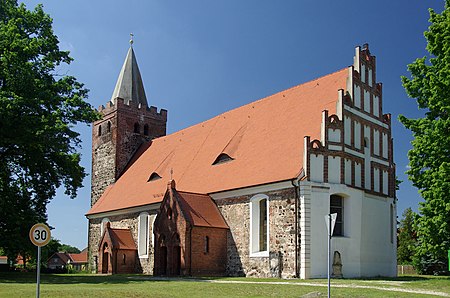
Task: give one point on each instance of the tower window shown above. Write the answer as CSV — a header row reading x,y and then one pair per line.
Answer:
x,y
99,130
146,130
137,128
109,126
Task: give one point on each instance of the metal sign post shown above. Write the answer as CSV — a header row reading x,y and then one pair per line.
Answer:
x,y
330,221
40,236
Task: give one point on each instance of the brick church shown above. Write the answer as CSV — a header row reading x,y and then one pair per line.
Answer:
x,y
246,192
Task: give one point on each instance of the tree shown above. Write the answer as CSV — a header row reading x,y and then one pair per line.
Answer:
x,y
429,159
68,249
406,237
38,111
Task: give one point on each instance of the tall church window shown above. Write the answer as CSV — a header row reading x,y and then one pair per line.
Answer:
x,y
259,226
146,130
137,128
337,206
143,229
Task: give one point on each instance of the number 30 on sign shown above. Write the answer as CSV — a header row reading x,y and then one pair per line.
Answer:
x,y
40,234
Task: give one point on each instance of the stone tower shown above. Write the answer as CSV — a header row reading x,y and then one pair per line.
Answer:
x,y
127,123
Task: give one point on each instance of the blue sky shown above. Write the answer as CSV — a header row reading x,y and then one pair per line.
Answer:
x,y
201,58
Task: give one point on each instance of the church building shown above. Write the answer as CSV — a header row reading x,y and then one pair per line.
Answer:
x,y
246,192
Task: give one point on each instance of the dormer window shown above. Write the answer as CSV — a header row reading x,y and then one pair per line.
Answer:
x,y
154,176
223,157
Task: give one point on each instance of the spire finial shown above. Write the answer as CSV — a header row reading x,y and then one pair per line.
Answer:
x,y
131,39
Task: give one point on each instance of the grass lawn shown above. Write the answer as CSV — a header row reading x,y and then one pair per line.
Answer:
x,y
84,285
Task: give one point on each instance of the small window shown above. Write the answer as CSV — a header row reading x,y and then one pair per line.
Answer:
x,y
337,206
206,250
366,142
137,128
154,176
109,126
124,259
99,130
223,157
146,130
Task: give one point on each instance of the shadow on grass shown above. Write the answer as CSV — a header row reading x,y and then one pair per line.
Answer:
x,y
30,277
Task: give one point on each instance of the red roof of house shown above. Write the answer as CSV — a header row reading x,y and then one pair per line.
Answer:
x,y
264,138
82,257
200,210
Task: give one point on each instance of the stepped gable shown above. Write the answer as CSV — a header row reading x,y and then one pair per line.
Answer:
x,y
258,143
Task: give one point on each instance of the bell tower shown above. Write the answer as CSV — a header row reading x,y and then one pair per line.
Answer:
x,y
127,123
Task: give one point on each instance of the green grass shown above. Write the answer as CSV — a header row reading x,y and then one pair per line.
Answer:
x,y
85,285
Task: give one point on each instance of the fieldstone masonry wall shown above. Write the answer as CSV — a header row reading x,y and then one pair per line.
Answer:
x,y
281,260
128,221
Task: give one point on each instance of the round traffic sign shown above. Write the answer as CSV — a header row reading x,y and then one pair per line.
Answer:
x,y
40,234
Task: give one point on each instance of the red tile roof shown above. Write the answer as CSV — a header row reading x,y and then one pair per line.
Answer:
x,y
200,210
82,257
122,238
264,138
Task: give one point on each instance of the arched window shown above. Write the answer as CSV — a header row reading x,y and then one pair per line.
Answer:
x,y
143,228
137,128
366,143
337,206
109,126
100,130
259,226
103,225
146,130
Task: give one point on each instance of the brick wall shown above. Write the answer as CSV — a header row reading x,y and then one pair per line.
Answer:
x,y
210,260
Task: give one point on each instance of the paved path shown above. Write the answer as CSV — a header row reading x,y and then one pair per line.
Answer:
x,y
389,289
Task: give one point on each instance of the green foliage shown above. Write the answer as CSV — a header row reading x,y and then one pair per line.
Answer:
x,y
406,238
68,248
429,159
38,111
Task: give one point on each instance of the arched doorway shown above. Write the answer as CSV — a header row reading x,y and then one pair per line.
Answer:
x,y
176,260
163,260
105,258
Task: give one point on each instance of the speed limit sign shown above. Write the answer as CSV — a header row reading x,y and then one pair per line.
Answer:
x,y
40,234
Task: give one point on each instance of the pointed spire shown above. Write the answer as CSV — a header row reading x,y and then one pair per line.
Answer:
x,y
129,85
